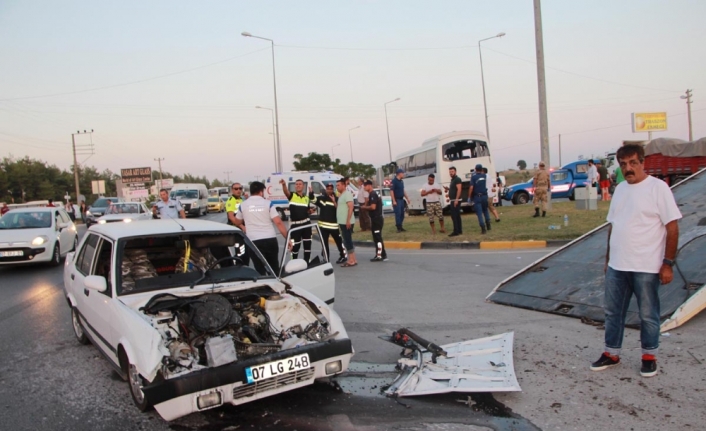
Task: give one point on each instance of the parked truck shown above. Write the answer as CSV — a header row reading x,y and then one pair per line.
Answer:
x,y
669,159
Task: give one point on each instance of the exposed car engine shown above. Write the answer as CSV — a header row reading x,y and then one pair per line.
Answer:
x,y
215,329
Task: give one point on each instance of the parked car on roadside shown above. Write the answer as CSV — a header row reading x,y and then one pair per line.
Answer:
x,y
98,208
126,212
386,197
36,234
190,326
216,203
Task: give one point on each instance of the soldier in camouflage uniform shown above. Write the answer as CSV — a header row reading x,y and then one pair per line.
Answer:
x,y
541,187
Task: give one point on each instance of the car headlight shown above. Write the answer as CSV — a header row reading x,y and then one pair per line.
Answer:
x,y
88,213
195,205
102,222
40,240
127,220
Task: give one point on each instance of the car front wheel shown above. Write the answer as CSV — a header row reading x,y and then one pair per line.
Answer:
x,y
135,382
78,328
521,198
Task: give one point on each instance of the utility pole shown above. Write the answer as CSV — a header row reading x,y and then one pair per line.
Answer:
x,y
687,96
228,175
159,160
82,149
541,83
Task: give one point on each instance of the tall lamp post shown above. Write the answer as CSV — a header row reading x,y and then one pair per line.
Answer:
x,y
387,124
337,145
482,80
274,138
350,142
687,97
73,144
274,82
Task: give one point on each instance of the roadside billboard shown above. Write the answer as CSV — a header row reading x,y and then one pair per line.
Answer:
x,y
649,122
166,183
136,175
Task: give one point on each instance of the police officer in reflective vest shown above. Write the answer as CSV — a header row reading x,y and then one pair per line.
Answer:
x,y
232,206
478,193
299,215
540,182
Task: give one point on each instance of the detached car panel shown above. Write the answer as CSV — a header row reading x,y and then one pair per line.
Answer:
x,y
191,324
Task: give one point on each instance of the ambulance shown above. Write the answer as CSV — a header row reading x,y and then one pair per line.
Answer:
x,y
316,180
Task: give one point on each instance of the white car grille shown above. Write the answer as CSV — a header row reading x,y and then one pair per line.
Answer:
x,y
273,383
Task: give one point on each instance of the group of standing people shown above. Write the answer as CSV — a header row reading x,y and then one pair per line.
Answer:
x,y
598,177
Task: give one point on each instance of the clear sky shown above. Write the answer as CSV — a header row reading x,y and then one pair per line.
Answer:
x,y
175,79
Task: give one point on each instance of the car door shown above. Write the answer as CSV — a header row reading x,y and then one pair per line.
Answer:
x,y
561,184
317,277
66,234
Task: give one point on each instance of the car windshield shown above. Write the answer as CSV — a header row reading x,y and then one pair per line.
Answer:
x,y
166,262
102,203
25,220
385,192
213,200
187,194
122,209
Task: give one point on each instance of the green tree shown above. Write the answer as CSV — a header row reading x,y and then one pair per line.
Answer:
x,y
522,165
315,162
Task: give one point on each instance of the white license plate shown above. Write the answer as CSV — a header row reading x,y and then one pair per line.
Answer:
x,y
11,253
276,368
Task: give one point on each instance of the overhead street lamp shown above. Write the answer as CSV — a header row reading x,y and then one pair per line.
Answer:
x,y
387,124
349,140
337,145
274,138
278,159
482,80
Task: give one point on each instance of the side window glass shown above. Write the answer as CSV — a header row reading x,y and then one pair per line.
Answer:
x,y
293,187
582,169
103,264
317,188
85,256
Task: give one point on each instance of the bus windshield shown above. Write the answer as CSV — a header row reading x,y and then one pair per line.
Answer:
x,y
464,149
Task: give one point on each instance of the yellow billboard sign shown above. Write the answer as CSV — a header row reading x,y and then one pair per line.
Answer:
x,y
649,121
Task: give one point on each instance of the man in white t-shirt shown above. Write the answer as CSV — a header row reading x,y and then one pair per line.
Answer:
x,y
592,173
255,217
642,245
433,192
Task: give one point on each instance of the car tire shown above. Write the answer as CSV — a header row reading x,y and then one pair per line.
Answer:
x,y
572,196
79,332
56,255
135,384
521,199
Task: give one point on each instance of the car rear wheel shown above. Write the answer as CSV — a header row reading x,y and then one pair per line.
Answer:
x,y
56,256
78,327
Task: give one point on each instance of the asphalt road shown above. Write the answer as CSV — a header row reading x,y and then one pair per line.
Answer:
x,y
49,381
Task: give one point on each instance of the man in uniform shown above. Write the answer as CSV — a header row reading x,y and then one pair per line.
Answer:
x,y
299,214
454,191
232,205
374,205
478,192
433,194
234,202
540,182
327,221
167,208
399,199
255,217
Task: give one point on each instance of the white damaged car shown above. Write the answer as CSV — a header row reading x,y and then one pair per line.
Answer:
x,y
193,317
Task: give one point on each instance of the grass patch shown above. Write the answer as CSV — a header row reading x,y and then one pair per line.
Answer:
x,y
517,224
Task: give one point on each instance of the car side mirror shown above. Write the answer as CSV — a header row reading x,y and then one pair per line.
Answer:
x,y
96,282
295,265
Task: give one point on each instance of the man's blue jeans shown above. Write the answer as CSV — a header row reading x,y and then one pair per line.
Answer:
x,y
480,206
399,212
619,288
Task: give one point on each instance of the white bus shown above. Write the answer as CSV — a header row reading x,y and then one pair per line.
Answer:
x,y
436,155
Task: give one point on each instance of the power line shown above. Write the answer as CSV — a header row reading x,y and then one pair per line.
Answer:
x,y
133,82
334,48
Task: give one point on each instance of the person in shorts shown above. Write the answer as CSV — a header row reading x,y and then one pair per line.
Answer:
x,y
604,181
433,194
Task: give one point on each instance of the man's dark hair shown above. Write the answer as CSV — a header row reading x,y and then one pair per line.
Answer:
x,y
256,187
342,181
485,170
452,167
51,201
163,190
368,183
431,176
590,161
628,150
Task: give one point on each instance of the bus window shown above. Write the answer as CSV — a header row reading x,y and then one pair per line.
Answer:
x,y
465,149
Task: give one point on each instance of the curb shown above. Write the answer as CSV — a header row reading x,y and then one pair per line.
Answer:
x,y
483,245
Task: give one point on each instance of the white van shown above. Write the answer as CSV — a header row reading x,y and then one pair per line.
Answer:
x,y
316,180
193,197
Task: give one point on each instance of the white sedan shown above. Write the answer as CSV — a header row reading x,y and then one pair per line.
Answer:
x,y
193,317
36,234
125,212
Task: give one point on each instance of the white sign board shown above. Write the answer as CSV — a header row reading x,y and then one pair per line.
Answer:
x,y
166,183
98,187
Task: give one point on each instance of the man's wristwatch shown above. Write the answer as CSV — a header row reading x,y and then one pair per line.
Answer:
x,y
669,262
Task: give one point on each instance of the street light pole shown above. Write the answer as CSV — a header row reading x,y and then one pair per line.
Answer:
x,y
541,84
482,80
274,138
350,142
159,161
387,124
687,96
228,175
337,145
73,145
274,82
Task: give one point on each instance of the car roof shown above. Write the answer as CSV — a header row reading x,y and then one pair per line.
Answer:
x,y
34,209
160,227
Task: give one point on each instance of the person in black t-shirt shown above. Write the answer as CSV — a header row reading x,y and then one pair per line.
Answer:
x,y
376,221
